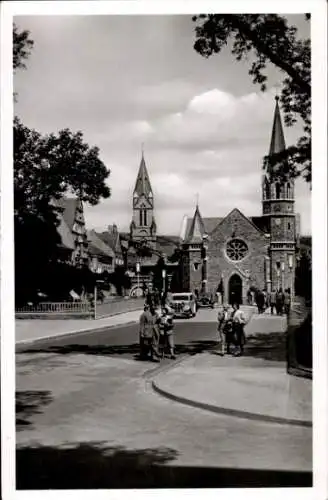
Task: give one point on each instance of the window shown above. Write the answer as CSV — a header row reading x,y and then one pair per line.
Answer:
x,y
278,265
278,191
236,249
140,217
145,217
278,222
289,191
288,225
267,193
196,266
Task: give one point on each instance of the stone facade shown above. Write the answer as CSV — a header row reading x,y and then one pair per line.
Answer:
x,y
250,269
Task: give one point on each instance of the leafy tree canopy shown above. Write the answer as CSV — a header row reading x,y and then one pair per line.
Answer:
x,y
22,46
45,167
268,39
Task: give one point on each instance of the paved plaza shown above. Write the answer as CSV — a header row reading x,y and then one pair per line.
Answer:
x,y
86,402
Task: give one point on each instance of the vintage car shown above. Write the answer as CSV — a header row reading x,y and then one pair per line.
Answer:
x,y
205,301
183,304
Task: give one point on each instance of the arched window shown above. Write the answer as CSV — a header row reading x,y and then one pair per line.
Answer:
x,y
289,191
145,217
278,191
140,217
266,194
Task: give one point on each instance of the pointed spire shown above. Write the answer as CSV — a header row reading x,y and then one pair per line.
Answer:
x,y
197,229
277,138
142,186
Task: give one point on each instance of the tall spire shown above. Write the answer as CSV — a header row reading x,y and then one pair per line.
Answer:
x,y
277,138
196,229
142,186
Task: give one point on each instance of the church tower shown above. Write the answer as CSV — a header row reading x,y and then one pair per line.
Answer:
x,y
278,208
143,226
192,262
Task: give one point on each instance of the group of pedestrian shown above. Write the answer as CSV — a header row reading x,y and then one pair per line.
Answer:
x,y
279,301
231,323
155,333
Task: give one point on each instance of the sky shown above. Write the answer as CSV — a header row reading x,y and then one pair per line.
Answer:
x,y
128,80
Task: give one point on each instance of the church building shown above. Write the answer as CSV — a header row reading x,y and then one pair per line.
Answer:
x,y
231,254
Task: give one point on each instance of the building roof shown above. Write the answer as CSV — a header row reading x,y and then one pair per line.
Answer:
x,y
142,186
210,223
69,206
97,246
196,229
65,234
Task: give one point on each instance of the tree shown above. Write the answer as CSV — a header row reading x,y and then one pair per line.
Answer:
x,y
269,39
22,46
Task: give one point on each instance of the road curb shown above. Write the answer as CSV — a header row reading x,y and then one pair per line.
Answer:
x,y
228,411
68,334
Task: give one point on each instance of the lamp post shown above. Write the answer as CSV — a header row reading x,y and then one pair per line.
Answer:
x,y
163,286
98,271
290,266
204,252
138,275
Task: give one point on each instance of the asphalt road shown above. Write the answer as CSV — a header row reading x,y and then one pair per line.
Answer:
x,y
87,418
190,338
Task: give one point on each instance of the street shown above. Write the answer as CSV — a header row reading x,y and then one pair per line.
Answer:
x,y
88,418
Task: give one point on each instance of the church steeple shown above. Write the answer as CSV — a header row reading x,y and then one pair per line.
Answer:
x,y
143,226
277,144
143,186
196,229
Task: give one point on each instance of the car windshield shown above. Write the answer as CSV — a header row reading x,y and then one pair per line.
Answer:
x,y
181,297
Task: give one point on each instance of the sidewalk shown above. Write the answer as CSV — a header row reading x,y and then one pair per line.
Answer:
x,y
254,386
29,330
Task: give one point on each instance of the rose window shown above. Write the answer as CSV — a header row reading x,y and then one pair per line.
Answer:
x,y
237,249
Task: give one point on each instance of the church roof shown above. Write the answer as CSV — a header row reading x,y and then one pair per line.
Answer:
x,y
97,246
142,186
277,144
209,224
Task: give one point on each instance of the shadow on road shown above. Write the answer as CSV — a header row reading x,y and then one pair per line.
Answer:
x,y
269,346
193,347
92,465
29,403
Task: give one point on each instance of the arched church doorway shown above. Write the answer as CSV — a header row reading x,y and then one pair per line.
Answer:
x,y
235,289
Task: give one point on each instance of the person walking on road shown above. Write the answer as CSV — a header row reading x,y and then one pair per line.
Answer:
x,y
239,321
166,333
280,302
148,333
260,301
287,301
223,319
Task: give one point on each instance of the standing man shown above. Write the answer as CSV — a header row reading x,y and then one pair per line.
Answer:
x,y
239,321
148,333
223,318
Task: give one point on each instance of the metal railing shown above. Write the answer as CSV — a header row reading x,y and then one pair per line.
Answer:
x,y
56,307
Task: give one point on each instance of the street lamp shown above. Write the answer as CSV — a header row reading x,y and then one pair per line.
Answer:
x,y
138,275
98,271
